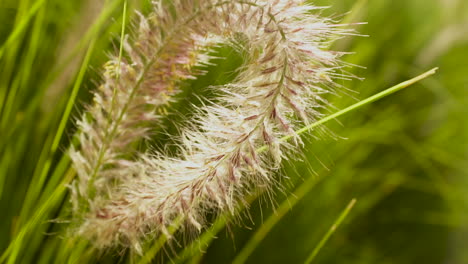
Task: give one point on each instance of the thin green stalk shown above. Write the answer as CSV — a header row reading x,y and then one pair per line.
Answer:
x,y
199,246
11,59
76,252
40,176
273,219
56,177
355,11
451,195
6,159
20,81
360,104
204,240
52,141
55,73
122,34
54,199
19,29
330,232
162,239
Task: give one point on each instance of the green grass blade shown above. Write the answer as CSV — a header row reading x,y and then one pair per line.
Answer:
x,y
360,104
330,232
19,83
122,33
162,239
54,199
40,178
4,161
268,225
205,239
21,26
84,42
355,11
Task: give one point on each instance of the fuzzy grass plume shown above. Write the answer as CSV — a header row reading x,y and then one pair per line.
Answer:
x,y
122,195
135,92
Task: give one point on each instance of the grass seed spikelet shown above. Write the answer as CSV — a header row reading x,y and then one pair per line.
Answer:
x,y
288,69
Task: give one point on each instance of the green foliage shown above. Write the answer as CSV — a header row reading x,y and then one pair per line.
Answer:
x,y
404,158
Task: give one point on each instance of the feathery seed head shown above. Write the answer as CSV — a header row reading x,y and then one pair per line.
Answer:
x,y
286,73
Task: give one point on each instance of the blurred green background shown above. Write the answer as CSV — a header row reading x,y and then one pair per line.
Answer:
x,y
404,158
